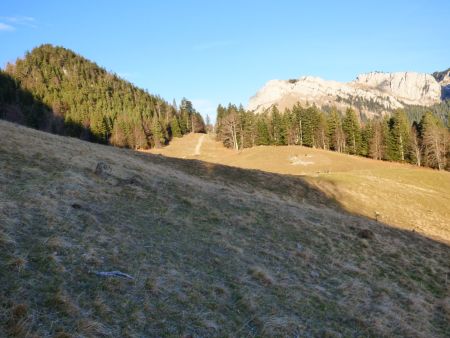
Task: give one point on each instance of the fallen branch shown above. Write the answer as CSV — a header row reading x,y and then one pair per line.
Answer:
x,y
113,274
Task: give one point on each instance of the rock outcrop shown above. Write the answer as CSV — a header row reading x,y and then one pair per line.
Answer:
x,y
443,78
371,94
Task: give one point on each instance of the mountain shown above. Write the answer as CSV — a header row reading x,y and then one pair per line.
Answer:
x,y
442,77
444,80
372,94
198,249
54,89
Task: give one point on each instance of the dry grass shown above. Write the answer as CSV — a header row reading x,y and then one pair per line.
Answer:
x,y
214,251
411,198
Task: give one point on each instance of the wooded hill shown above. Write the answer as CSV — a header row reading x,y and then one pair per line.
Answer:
x,y
57,90
424,142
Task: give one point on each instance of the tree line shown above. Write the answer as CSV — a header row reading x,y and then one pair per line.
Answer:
x,y
423,142
57,90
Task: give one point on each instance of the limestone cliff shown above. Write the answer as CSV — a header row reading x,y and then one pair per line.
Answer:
x,y
371,94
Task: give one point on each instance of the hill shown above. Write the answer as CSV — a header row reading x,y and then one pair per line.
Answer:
x,y
372,95
212,250
404,196
56,90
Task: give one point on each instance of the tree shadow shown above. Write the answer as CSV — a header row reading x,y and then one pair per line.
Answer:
x,y
445,92
293,188
20,106
364,265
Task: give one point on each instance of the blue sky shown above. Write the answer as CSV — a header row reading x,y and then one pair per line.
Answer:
x,y
223,51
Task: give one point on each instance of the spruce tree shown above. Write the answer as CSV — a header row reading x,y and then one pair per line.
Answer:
x,y
352,131
56,90
278,127
175,127
157,133
335,132
262,131
399,140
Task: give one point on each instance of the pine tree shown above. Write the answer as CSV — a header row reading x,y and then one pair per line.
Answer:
x,y
157,133
399,140
278,128
376,140
321,131
290,130
99,128
175,127
351,128
262,132
335,132
367,133
56,90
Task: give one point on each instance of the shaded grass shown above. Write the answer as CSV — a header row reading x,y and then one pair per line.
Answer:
x,y
214,251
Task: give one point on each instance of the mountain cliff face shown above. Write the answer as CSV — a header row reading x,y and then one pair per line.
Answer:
x,y
444,80
372,94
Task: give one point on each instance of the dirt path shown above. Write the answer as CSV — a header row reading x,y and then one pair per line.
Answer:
x,y
199,145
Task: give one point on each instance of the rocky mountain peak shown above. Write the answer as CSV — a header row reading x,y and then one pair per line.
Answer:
x,y
375,93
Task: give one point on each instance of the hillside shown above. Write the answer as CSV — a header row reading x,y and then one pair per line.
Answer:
x,y
372,94
213,251
56,90
404,196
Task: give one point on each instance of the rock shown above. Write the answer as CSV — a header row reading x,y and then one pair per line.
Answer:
x,y
102,169
76,206
134,180
443,77
386,91
408,87
366,234
314,274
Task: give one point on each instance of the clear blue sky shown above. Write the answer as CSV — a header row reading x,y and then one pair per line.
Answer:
x,y
223,51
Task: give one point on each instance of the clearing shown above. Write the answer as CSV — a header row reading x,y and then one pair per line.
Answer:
x,y
405,196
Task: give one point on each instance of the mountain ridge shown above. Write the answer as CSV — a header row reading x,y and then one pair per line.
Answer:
x,y
372,94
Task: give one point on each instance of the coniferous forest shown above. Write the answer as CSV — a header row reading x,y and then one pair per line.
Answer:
x,y
56,90
417,137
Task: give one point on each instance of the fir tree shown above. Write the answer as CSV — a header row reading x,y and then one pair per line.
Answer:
x,y
56,90
175,127
262,132
335,132
278,127
351,128
399,139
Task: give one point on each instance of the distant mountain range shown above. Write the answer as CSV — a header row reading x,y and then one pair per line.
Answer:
x,y
371,94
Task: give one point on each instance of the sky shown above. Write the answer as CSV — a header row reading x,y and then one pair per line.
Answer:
x,y
215,52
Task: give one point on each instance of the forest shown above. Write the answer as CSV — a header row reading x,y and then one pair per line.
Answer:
x,y
422,140
56,90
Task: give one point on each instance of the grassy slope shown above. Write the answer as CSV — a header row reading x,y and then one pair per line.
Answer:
x,y
404,196
215,251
